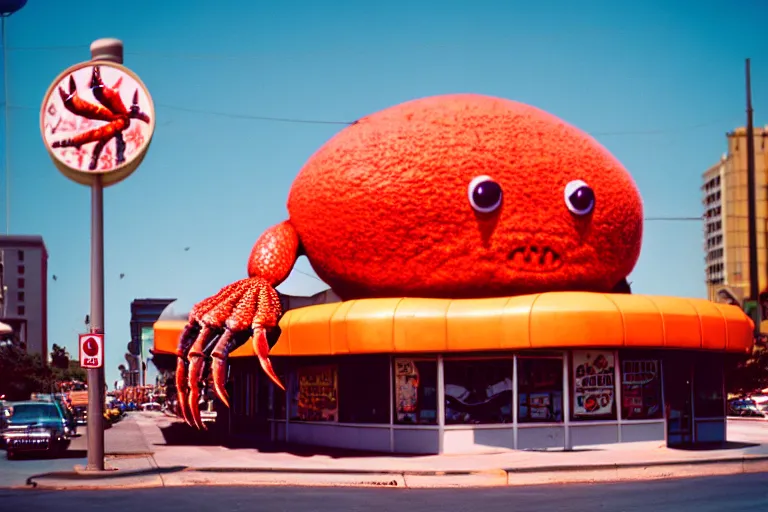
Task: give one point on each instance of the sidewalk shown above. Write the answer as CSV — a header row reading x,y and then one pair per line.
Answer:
x,y
141,456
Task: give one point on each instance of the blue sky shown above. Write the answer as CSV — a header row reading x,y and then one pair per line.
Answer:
x,y
657,82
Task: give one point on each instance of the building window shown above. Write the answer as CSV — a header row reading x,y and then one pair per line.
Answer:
x,y
21,310
20,296
20,255
540,390
478,391
315,395
20,270
415,391
364,389
593,385
641,389
21,282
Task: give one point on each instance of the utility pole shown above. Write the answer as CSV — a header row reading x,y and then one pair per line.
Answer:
x,y
754,284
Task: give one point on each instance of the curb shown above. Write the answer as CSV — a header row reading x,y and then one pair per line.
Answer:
x,y
603,473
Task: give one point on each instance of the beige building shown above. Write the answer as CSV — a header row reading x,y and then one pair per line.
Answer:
x,y
24,304
726,238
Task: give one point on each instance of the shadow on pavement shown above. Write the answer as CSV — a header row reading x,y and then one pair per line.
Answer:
x,y
180,434
74,475
727,445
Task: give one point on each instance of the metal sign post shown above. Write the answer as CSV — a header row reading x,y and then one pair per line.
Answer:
x,y
97,121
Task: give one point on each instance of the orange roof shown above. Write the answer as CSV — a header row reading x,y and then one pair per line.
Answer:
x,y
540,321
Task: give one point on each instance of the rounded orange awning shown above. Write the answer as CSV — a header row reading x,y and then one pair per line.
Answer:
x,y
539,321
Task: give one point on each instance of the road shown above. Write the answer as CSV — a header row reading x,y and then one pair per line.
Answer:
x,y
716,494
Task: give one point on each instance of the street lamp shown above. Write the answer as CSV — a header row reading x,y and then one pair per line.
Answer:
x,y
7,7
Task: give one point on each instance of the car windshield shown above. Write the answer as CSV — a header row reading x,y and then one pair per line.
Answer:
x,y
27,412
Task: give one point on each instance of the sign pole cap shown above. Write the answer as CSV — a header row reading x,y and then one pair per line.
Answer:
x,y
109,48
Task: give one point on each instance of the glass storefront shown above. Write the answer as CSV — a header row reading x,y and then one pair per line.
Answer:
x,y
540,389
478,391
641,388
481,391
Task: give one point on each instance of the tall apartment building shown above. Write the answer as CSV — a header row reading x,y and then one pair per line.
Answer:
x,y
726,236
25,290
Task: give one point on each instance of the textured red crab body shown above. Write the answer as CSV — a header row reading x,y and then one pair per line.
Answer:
x,y
384,208
452,196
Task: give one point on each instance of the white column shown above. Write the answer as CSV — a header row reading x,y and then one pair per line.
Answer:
x,y
567,401
392,404
617,389
515,401
440,403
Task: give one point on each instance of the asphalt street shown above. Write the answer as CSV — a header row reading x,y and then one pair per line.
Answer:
x,y
715,494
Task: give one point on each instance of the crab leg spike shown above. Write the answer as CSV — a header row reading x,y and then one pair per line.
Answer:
x,y
136,98
261,347
185,342
118,83
196,365
219,366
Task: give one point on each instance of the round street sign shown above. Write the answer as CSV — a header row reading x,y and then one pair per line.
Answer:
x,y
97,119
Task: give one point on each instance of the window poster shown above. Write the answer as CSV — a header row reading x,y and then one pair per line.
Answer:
x,y
318,394
640,389
406,390
593,384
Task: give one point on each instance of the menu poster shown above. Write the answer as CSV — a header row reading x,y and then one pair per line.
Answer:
x,y
593,390
318,394
640,389
406,390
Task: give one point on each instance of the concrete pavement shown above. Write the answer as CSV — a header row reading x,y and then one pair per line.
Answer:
x,y
143,456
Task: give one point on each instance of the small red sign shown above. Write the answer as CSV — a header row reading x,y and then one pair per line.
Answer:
x,y
91,350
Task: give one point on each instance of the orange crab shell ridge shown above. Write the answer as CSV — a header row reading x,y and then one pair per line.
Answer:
x,y
382,209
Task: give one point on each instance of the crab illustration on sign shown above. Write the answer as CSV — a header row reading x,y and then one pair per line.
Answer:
x,y
97,119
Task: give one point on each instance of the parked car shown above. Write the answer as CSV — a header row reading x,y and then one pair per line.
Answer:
x,y
745,408
36,426
69,417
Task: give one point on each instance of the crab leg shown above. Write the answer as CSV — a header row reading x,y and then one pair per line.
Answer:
x,y
196,358
219,366
261,347
96,153
185,343
107,96
105,132
80,107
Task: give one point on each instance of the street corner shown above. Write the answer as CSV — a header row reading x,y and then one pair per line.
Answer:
x,y
134,472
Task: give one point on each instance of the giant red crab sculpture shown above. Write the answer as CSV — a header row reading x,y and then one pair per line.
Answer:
x,y
460,196
112,110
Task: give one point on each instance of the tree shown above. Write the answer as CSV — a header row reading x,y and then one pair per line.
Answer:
x,y
22,374
59,357
746,375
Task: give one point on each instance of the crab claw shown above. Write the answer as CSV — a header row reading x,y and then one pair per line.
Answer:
x,y
226,320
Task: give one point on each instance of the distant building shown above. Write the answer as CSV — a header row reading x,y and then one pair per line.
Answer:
x,y
144,314
726,236
25,290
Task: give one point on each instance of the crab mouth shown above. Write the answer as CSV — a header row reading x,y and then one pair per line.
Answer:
x,y
535,258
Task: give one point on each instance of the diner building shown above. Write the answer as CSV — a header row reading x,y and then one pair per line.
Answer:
x,y
543,371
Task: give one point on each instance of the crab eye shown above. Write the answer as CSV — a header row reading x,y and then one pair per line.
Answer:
x,y
579,197
484,194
